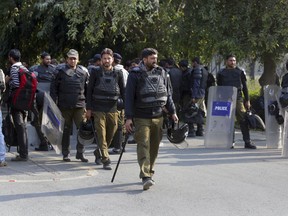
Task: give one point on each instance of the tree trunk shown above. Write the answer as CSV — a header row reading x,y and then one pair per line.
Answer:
x,y
252,69
269,75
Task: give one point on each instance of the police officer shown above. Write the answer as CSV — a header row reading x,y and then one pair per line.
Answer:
x,y
45,73
199,77
106,85
147,94
95,62
68,92
185,101
118,137
232,75
176,80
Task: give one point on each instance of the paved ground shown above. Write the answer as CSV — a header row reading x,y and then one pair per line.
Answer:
x,y
191,181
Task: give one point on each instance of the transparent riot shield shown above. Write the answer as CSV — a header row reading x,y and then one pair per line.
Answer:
x,y
44,87
52,123
220,117
285,135
273,128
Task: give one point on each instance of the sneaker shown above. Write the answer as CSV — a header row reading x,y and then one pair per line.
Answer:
x,y
233,144
114,151
147,183
249,145
66,158
80,156
107,165
18,158
3,164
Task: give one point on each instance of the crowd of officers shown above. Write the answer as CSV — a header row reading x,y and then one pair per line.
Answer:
x,y
146,90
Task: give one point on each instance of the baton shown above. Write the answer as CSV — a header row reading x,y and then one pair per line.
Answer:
x,y
127,135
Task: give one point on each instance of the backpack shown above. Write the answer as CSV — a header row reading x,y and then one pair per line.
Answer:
x,y
23,96
9,132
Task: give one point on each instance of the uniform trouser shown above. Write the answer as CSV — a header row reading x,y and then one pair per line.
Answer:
x,y
105,125
19,118
148,135
240,116
118,136
201,104
75,115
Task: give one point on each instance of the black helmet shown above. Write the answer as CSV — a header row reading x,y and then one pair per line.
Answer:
x,y
254,121
85,133
178,135
273,108
120,104
191,111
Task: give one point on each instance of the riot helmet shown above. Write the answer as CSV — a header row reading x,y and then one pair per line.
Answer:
x,y
191,111
178,135
85,133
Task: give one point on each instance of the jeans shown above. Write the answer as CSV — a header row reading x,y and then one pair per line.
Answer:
x,y
19,118
2,142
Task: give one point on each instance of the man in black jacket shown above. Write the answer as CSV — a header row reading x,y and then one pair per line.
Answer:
x,y
68,92
147,94
232,75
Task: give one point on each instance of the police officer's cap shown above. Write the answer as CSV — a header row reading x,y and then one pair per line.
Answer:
x,y
97,57
183,63
73,53
117,56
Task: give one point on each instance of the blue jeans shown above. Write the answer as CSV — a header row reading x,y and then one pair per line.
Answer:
x,y
2,142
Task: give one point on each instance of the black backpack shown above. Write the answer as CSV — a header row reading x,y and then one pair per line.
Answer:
x,y
9,132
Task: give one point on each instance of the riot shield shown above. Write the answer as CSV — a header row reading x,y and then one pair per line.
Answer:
x,y
220,117
44,87
52,123
285,135
273,128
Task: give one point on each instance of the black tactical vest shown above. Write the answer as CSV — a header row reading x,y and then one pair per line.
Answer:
x,y
43,73
72,86
151,89
107,87
230,77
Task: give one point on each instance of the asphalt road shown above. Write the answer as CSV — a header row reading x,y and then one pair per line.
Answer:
x,y
192,181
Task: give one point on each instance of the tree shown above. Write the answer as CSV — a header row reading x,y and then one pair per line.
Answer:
x,y
249,28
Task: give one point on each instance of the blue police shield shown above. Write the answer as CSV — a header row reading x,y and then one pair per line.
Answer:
x,y
220,117
52,123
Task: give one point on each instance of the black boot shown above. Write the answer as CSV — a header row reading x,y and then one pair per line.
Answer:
x,y
199,131
80,156
250,145
97,157
43,146
191,132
